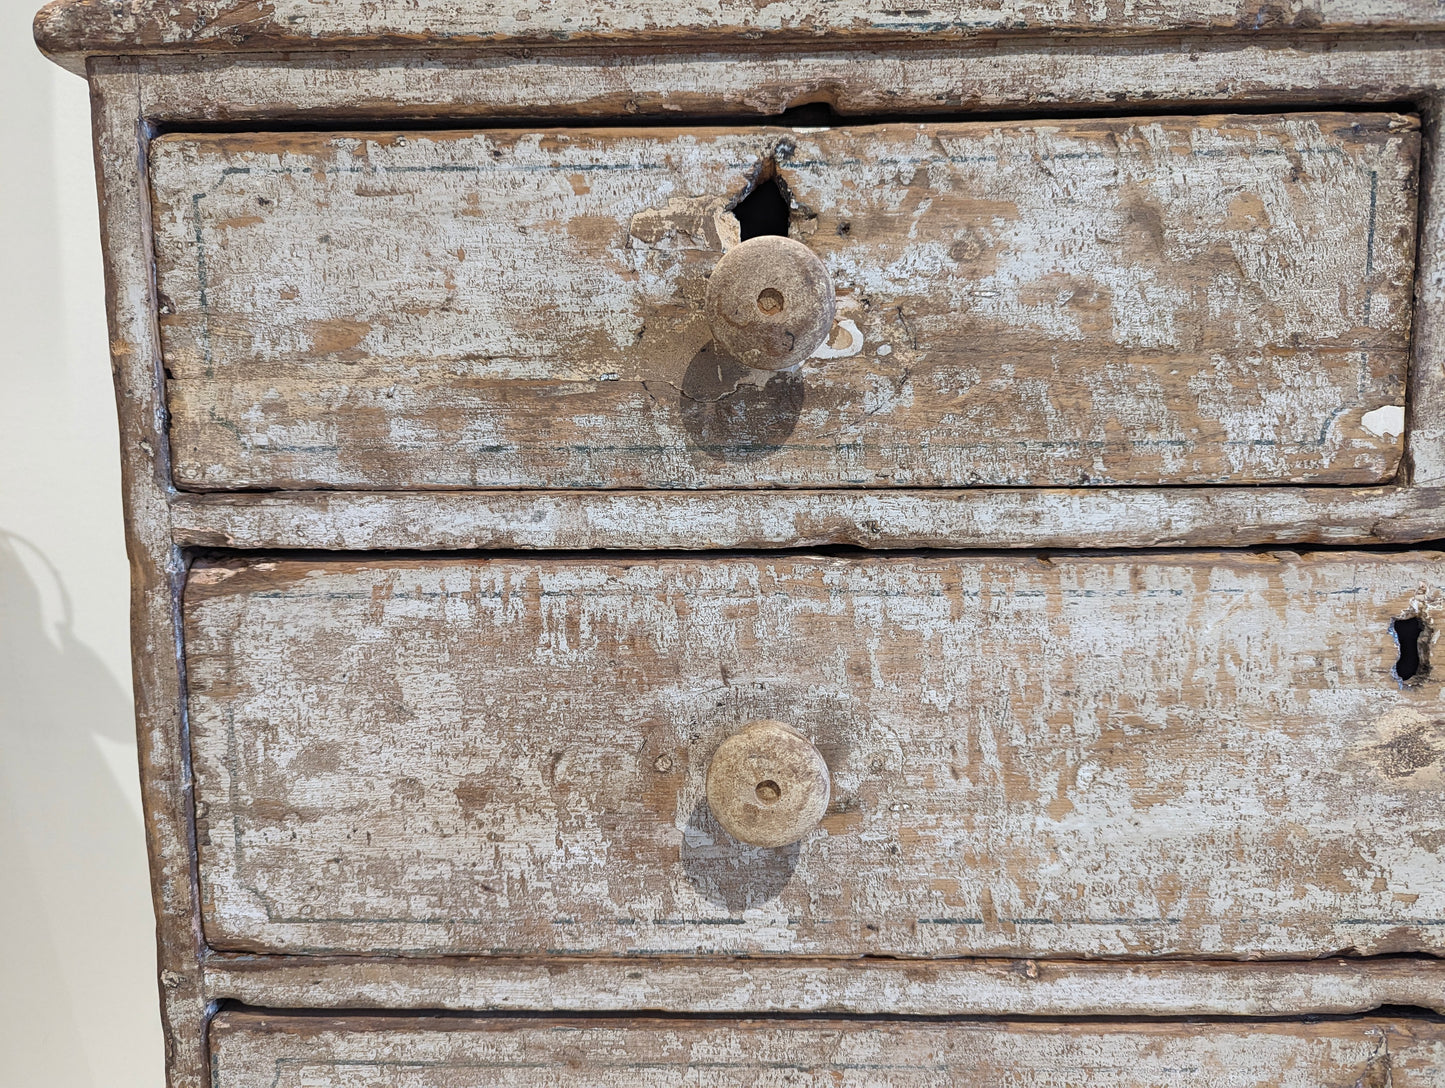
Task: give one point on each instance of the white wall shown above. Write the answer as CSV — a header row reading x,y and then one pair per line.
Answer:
x,y
78,1005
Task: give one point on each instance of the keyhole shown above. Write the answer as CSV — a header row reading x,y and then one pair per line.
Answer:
x,y
1412,639
768,792
765,209
770,301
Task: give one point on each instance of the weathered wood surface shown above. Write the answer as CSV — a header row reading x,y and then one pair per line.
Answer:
x,y
72,29
1426,422
1154,300
683,521
1263,71
946,987
157,572
260,1050
1191,754
1262,68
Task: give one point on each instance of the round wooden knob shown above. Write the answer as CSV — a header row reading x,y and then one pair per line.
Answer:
x,y
770,303
767,785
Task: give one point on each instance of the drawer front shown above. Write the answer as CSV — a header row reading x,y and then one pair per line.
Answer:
x,y
1125,301
254,1050
1191,754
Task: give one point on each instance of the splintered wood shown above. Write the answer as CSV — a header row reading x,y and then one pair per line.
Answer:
x,y
1187,754
1138,301
251,1050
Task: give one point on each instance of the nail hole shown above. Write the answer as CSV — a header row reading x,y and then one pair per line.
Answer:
x,y
764,210
1412,637
770,301
768,791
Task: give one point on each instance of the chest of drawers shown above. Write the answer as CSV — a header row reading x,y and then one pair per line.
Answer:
x,y
783,544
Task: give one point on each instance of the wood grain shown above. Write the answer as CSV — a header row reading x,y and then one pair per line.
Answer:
x,y
939,987
1201,70
1426,422
70,30
1189,754
257,1050
904,518
1272,68
1186,300
157,568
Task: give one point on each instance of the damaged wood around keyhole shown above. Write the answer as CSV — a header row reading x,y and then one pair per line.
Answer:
x,y
1412,640
766,206
728,413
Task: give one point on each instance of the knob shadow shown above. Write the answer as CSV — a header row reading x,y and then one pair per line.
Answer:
x,y
731,874
729,415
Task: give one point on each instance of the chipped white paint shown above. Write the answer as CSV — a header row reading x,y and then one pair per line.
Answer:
x,y
69,29
1388,420
1088,756
1050,294
1268,71
837,346
252,1050
1409,737
576,83
938,987
987,517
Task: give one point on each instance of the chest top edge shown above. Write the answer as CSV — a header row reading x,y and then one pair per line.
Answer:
x,y
69,31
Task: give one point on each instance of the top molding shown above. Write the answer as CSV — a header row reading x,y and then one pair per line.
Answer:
x,y
70,31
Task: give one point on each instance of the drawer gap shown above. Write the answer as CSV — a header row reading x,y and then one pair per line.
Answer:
x,y
815,114
381,1015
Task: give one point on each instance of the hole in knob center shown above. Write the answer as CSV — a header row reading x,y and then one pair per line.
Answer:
x,y
770,301
768,792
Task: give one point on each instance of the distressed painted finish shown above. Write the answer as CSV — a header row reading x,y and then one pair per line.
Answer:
x,y
157,567
1265,69
254,1050
1426,465
1155,300
904,518
71,30
900,987
1259,70
1185,754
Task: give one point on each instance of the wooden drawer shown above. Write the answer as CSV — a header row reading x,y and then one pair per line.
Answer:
x,y
1220,299
1193,754
256,1050
388,284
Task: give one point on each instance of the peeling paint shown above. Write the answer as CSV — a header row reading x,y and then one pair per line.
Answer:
x,y
1090,756
1375,1052
1388,420
844,342
1085,301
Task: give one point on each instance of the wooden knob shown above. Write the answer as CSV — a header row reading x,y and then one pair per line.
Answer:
x,y
767,785
770,303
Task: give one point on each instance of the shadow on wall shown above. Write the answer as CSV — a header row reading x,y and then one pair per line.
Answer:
x,y
67,831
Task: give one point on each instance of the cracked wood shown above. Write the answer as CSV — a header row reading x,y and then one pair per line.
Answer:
x,y
1139,301
1174,755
